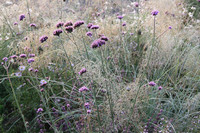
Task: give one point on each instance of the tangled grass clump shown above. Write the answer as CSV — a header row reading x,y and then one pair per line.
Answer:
x,y
101,66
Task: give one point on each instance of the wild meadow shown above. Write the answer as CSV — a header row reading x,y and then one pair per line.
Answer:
x,y
100,66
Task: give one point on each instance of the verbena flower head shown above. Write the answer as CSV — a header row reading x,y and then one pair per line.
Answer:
x,y
89,34
83,89
136,4
68,24
88,111
31,55
21,17
59,24
78,24
57,32
5,59
22,68
33,25
87,105
15,23
22,55
31,60
43,38
154,12
160,88
30,69
43,82
40,110
83,70
18,74
120,17
94,27
13,56
89,25
69,29
97,43
152,83
170,27
104,38
36,70
123,24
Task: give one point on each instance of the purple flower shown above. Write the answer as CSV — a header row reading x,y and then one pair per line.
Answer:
x,y
5,59
154,12
22,68
40,110
43,82
87,105
160,88
97,43
198,0
83,89
57,32
68,24
123,24
136,4
43,38
30,69
22,55
15,23
152,83
68,105
31,55
88,111
89,34
13,56
104,38
170,27
59,24
78,24
18,74
69,29
120,17
36,70
83,70
94,27
89,25
31,60
21,17
33,25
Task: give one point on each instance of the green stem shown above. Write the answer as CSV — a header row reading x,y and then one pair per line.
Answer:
x,y
15,97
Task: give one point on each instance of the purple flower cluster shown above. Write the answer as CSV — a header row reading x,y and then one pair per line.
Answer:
x,y
89,34
15,23
69,29
97,43
43,38
154,12
123,24
83,70
89,25
40,110
57,32
33,25
21,17
82,89
152,83
5,59
68,24
22,55
78,24
59,24
13,56
31,55
94,27
104,38
120,17
31,60
136,4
